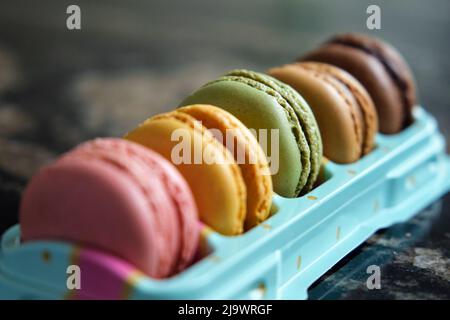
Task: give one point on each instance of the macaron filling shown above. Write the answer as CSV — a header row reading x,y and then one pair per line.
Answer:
x,y
308,126
296,130
262,114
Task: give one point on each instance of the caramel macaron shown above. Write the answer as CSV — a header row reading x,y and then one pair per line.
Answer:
x,y
381,70
344,111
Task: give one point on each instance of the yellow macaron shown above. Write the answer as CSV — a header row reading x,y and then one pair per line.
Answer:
x,y
247,153
219,189
231,195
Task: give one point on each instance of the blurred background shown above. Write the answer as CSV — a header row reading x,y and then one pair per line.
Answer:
x,y
136,58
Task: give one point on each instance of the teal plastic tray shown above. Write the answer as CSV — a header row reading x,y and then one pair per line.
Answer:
x,y
280,258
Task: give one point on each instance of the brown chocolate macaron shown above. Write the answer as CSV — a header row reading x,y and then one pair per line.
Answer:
x,y
343,109
380,69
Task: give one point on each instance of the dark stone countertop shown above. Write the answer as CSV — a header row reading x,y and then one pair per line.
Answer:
x,y
129,61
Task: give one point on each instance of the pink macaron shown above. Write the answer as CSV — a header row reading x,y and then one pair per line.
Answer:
x,y
117,196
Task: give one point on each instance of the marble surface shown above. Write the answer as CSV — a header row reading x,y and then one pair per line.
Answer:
x,y
129,61
414,261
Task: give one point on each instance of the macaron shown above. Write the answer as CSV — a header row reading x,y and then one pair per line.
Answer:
x,y
344,111
381,70
207,165
247,153
119,197
279,115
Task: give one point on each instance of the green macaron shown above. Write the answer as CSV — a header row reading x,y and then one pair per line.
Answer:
x,y
262,102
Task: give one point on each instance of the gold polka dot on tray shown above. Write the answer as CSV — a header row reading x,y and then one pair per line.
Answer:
x,y
262,288
311,197
206,231
338,233
259,292
299,262
266,226
214,258
376,206
411,181
69,295
75,255
131,281
46,256
273,209
351,172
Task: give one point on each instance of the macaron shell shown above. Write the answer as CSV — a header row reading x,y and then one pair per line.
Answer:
x,y
184,202
299,111
373,76
64,200
180,229
152,187
254,168
365,103
218,188
262,83
403,71
312,133
391,59
334,109
258,110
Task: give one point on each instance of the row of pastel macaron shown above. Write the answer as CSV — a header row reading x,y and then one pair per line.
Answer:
x,y
129,198
331,102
